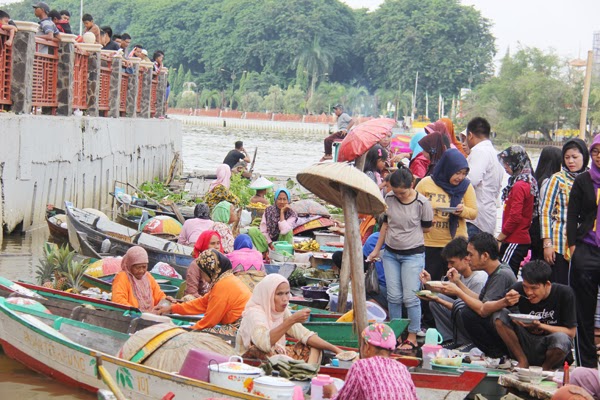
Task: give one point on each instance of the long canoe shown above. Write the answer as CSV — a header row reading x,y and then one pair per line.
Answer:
x,y
56,230
71,352
105,282
87,232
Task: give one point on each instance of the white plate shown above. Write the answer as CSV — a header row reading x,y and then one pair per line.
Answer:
x,y
525,318
435,284
162,281
446,209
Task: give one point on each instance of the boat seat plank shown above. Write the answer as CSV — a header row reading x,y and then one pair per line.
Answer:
x,y
91,336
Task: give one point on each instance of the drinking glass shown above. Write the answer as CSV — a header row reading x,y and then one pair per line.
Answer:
x,y
535,374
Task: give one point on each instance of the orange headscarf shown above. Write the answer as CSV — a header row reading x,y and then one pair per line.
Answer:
x,y
450,129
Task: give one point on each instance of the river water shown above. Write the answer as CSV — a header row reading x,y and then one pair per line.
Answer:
x,y
203,149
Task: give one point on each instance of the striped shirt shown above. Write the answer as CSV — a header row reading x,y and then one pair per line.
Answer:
x,y
553,215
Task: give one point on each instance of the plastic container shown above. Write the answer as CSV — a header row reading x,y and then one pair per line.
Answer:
x,y
333,301
432,336
375,312
323,238
280,247
196,363
429,353
273,388
315,292
316,386
169,290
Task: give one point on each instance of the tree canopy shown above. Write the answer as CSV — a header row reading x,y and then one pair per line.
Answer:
x,y
252,45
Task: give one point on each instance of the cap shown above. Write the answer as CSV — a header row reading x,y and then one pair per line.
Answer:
x,y
341,107
43,6
145,52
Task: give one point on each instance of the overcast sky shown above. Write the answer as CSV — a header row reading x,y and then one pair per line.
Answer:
x,y
567,26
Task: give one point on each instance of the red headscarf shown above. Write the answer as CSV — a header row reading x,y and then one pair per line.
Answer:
x,y
203,242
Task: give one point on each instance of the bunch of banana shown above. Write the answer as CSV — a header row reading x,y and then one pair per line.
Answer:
x,y
259,206
307,245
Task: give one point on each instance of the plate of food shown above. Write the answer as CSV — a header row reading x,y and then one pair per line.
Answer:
x,y
446,209
525,318
425,293
162,281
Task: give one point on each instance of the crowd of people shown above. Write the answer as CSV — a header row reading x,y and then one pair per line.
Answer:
x,y
53,22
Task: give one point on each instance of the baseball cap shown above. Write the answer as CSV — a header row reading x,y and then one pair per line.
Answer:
x,y
341,107
43,6
145,52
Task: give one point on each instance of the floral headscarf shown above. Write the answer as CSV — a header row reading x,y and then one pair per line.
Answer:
x,y
272,215
141,287
215,265
517,159
380,335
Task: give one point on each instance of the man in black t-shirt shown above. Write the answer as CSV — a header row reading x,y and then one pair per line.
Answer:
x,y
547,340
234,156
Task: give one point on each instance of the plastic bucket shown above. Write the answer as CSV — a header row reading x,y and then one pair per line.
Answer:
x,y
169,290
196,363
281,247
333,302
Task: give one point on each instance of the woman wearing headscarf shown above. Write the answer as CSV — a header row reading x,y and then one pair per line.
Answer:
x,y
267,321
554,204
258,240
134,286
194,285
453,200
193,227
454,143
223,216
520,199
434,145
247,263
583,239
218,191
223,304
414,145
277,222
376,375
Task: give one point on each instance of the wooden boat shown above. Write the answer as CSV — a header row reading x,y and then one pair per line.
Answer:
x,y
76,353
53,214
87,232
128,221
71,351
105,283
153,208
342,333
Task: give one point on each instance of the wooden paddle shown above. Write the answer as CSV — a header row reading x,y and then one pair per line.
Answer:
x,y
253,160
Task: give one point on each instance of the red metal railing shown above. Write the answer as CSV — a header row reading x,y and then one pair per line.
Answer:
x,y
105,74
153,92
5,70
80,79
45,74
140,84
123,99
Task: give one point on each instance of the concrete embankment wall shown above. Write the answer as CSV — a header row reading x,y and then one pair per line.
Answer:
x,y
253,124
49,159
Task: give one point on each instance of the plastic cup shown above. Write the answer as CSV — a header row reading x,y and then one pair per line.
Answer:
x,y
535,374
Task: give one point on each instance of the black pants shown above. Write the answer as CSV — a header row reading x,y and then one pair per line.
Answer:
x,y
560,269
437,268
537,250
513,254
483,333
584,279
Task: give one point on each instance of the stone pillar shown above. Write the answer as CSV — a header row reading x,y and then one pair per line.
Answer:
x,y
23,51
161,92
146,68
66,65
114,95
132,88
93,83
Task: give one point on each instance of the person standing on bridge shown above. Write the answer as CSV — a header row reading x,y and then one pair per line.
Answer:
x,y
344,124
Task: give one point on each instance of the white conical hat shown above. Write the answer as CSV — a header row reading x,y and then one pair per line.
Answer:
x,y
261,183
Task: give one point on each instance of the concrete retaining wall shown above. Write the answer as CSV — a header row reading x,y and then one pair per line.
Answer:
x,y
253,124
49,159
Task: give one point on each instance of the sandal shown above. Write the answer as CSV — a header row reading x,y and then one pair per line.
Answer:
x,y
407,350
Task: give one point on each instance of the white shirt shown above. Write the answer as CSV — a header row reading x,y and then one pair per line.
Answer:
x,y
485,174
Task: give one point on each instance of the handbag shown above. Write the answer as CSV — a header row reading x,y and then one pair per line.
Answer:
x,y
372,279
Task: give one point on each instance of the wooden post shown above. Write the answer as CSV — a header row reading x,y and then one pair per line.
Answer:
x,y
344,280
354,248
586,95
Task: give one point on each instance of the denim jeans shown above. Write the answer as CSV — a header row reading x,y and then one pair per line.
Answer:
x,y
472,229
402,280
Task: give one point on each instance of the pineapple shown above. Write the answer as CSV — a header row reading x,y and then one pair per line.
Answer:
x,y
74,275
48,284
61,283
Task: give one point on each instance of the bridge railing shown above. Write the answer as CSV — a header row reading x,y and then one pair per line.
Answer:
x,y
5,70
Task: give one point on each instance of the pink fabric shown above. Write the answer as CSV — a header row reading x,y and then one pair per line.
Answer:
x,y
380,335
226,236
377,378
243,260
192,228
284,226
262,305
141,287
223,177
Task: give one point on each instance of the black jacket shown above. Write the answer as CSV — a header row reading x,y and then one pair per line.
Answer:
x,y
582,210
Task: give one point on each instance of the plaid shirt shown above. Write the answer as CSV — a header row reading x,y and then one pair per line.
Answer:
x,y
553,214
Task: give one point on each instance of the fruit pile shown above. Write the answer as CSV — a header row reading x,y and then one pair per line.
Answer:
x,y
258,206
307,245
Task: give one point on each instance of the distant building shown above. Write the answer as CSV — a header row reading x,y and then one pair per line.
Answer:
x,y
596,48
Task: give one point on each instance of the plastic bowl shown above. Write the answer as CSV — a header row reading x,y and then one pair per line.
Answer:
x,y
315,292
169,290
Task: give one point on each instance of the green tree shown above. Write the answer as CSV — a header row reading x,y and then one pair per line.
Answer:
x,y
293,100
449,45
273,102
316,62
251,101
534,91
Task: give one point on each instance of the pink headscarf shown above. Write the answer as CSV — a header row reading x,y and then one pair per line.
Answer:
x,y
141,287
223,177
261,309
380,335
